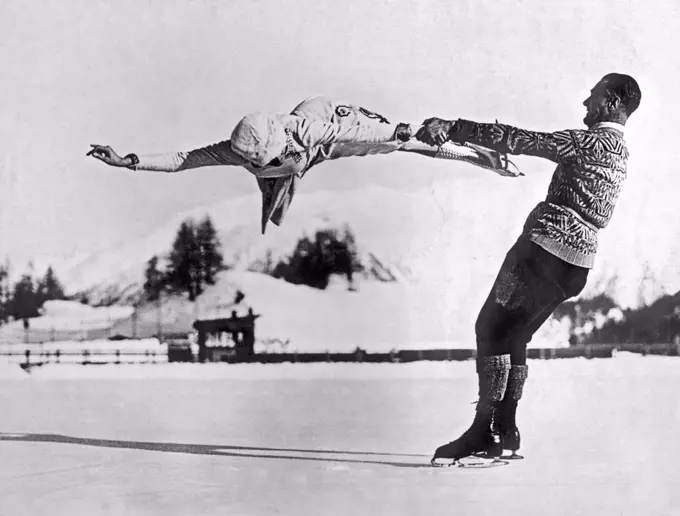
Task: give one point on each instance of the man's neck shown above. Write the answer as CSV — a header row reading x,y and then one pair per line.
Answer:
x,y
610,124
616,117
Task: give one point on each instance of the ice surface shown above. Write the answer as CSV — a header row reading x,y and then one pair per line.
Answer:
x,y
600,438
11,371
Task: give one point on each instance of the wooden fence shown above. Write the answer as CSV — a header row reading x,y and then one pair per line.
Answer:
x,y
85,357
183,354
406,355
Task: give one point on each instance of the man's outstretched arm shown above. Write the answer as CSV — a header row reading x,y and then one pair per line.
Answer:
x,y
506,139
219,154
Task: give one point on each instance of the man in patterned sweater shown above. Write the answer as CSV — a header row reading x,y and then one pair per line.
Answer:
x,y
550,261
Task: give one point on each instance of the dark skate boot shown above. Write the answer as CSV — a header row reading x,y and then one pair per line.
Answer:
x,y
484,435
508,409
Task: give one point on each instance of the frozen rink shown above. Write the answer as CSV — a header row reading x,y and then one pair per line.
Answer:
x,y
600,438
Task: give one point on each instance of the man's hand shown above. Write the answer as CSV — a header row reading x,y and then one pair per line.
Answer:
x,y
434,131
108,155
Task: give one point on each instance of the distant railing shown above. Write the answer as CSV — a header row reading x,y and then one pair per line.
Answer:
x,y
86,357
407,355
28,357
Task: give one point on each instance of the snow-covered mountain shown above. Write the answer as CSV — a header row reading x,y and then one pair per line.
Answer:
x,y
439,247
453,235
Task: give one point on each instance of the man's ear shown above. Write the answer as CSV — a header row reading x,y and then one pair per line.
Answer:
x,y
614,102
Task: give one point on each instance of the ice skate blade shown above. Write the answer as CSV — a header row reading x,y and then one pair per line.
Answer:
x,y
512,456
477,462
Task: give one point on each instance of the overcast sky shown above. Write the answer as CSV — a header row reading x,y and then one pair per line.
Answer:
x,y
151,76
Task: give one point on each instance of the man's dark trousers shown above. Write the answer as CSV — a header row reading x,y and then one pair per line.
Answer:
x,y
530,285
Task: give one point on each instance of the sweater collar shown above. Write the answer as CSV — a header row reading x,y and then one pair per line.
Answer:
x,y
610,125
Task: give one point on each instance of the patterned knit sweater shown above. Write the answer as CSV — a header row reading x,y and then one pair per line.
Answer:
x,y
591,169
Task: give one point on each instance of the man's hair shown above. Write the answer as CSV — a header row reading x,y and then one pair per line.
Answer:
x,y
625,88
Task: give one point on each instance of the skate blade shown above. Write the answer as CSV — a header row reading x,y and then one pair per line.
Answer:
x,y
473,461
512,456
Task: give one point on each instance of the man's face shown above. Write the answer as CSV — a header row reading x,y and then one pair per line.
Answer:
x,y
596,104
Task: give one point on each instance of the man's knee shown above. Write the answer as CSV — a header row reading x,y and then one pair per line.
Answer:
x,y
577,284
491,329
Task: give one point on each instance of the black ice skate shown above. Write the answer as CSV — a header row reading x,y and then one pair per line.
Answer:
x,y
483,438
508,410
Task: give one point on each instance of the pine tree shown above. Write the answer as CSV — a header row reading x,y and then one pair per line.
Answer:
x,y
24,302
353,252
193,262
184,265
306,265
49,288
211,259
313,261
154,280
4,292
269,262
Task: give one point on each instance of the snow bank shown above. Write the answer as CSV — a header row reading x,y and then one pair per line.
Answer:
x,y
11,371
446,254
72,315
101,345
66,308
66,320
430,236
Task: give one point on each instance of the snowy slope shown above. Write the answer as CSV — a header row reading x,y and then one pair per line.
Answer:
x,y
443,243
378,318
453,234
